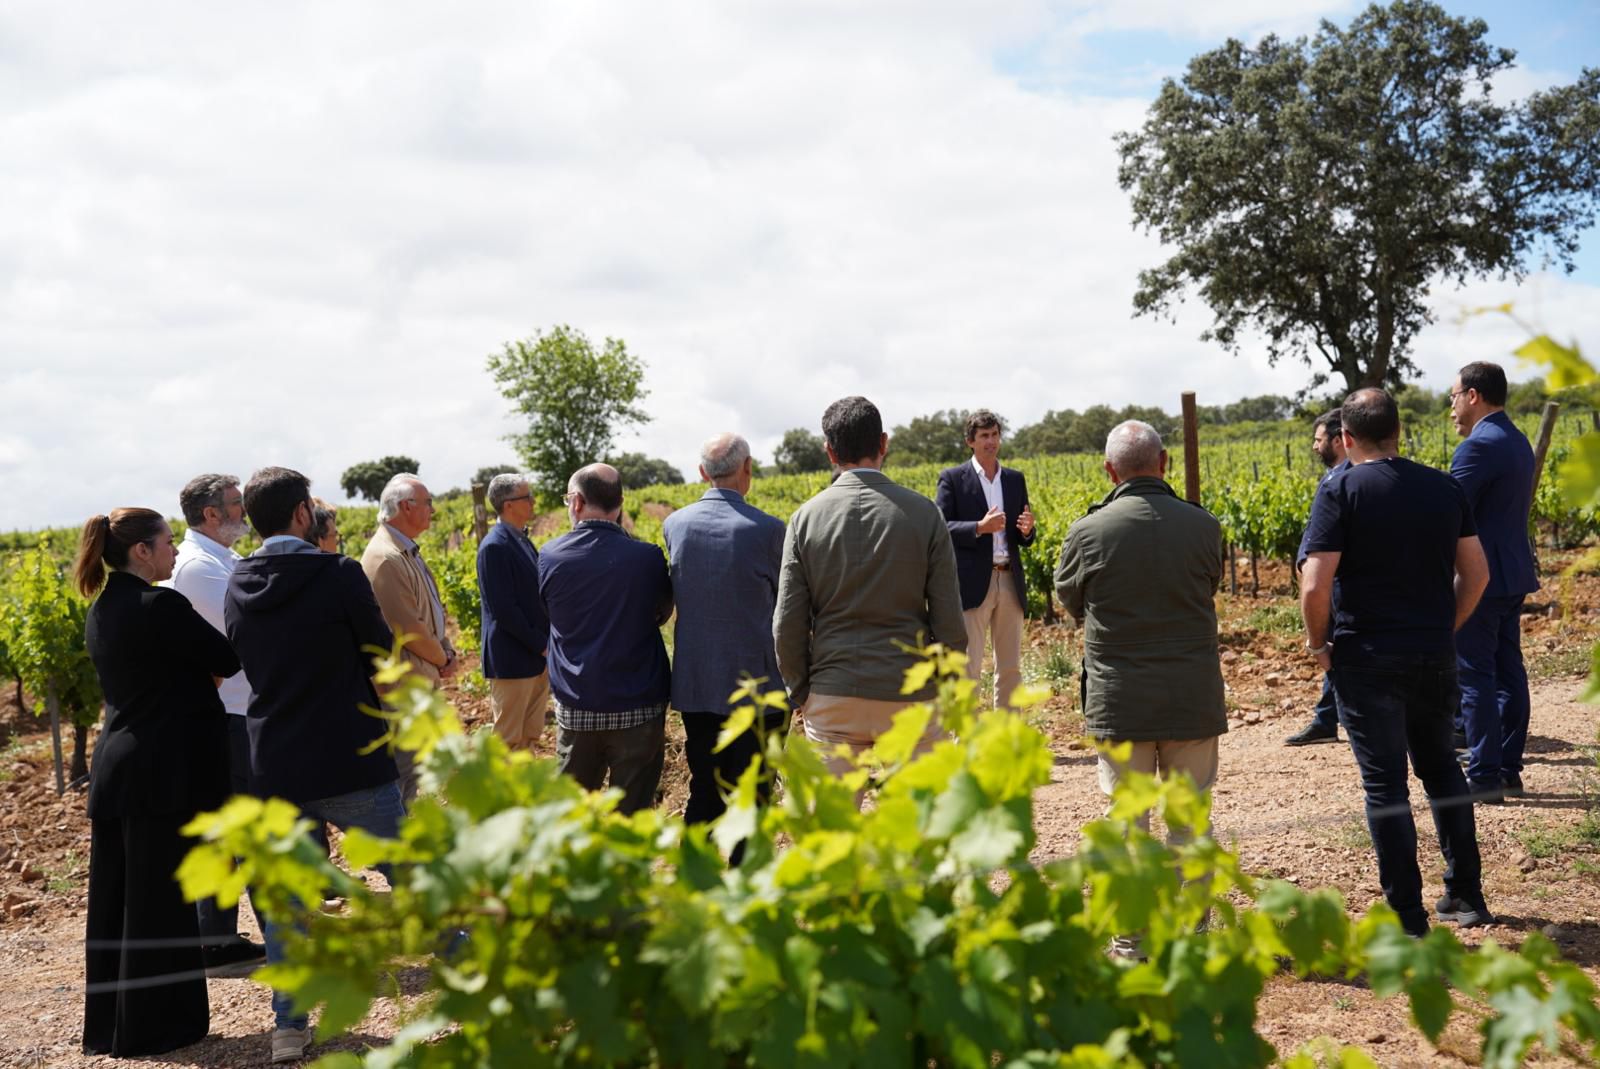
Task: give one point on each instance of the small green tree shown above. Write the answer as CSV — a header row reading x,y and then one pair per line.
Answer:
x,y
1314,191
482,476
799,452
574,398
639,470
368,478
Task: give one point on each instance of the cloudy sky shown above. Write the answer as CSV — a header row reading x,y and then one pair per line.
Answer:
x,y
234,235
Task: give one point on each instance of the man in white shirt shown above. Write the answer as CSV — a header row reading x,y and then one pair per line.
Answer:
x,y
214,510
986,509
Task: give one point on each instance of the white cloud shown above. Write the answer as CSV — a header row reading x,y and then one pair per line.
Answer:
x,y
232,237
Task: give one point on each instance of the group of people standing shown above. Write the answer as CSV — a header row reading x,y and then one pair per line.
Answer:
x,y
248,675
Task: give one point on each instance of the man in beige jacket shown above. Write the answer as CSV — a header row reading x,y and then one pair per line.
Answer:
x,y
406,591
867,567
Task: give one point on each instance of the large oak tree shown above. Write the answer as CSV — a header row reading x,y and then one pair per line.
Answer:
x,y
1314,190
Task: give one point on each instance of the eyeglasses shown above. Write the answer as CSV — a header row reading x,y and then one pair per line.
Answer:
x,y
421,501
519,497
1459,393
566,498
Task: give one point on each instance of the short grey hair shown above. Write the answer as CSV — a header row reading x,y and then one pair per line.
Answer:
x,y
1134,448
504,487
398,489
723,455
203,492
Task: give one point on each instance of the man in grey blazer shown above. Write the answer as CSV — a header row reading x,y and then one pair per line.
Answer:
x,y
724,556
867,568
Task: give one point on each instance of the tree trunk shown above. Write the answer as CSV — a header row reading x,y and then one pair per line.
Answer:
x,y
80,753
1255,577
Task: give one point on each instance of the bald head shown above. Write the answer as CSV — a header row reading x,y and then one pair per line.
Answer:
x,y
596,493
1133,448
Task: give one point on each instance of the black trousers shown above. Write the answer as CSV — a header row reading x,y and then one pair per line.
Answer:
x,y
711,774
146,978
222,925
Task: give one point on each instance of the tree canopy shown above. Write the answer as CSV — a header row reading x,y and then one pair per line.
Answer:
x,y
639,470
368,478
1315,189
482,476
937,438
575,399
800,451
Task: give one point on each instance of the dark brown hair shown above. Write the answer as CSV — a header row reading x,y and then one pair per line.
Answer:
x,y
981,420
323,518
106,542
853,429
1371,416
271,497
1488,379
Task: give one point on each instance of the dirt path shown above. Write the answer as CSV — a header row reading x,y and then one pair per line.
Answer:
x,y
1295,813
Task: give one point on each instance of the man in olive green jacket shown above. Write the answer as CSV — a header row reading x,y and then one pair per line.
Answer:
x,y
867,566
1139,572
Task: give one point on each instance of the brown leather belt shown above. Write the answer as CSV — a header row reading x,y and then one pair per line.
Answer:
x,y
1006,567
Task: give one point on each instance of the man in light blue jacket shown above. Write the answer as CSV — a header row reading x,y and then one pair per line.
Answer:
x,y
725,556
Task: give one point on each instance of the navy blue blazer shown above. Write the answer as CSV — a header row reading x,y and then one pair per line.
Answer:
x,y
725,557
606,595
1494,465
515,631
960,498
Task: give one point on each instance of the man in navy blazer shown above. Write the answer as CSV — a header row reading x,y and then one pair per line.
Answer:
x,y
986,509
515,631
1494,465
725,556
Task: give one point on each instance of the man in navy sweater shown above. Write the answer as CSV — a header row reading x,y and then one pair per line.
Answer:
x,y
1494,465
606,596
299,619
515,632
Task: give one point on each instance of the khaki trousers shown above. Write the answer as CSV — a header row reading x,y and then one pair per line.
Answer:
x,y
520,707
857,722
1197,757
1000,616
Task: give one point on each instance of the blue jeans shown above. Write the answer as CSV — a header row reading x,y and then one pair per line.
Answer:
x,y
1394,707
1494,688
375,810
1325,714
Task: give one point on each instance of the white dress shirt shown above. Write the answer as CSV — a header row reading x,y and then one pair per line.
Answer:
x,y
201,575
995,500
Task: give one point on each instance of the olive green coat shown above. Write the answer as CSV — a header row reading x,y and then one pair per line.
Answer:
x,y
1140,571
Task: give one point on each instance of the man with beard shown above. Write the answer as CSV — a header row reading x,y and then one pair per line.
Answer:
x,y
1327,442
213,508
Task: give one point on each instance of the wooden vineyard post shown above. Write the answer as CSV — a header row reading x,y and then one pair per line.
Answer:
x,y
480,515
1547,426
1191,449
54,707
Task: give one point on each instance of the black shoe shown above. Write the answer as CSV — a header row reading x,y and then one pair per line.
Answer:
x,y
239,957
1313,732
1468,914
1487,792
1513,786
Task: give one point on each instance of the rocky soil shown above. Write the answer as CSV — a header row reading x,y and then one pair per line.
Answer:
x,y
1293,813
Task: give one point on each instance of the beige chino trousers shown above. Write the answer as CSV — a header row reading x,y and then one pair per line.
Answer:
x,y
857,722
520,707
999,617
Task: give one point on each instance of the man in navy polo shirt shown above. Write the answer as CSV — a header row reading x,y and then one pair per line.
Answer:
x,y
606,596
1393,552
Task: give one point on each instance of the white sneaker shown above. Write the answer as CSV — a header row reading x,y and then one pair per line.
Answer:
x,y
289,1044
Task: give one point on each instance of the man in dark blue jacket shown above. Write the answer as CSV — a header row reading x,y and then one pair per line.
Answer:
x,y
1494,465
986,509
300,621
725,557
515,632
606,596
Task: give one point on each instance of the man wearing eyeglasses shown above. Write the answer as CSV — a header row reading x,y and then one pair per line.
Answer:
x,y
1494,465
515,631
407,592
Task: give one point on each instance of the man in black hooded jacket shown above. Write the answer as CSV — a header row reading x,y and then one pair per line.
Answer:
x,y
302,622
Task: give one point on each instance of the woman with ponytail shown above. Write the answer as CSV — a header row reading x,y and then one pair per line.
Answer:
x,y
161,758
